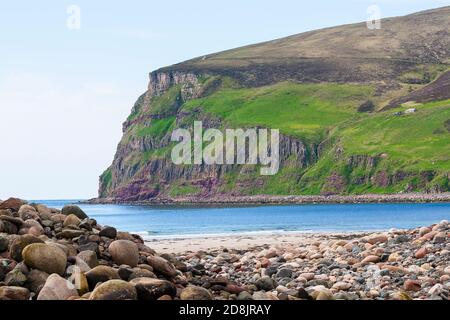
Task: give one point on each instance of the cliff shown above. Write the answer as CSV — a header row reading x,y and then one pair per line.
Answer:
x,y
332,93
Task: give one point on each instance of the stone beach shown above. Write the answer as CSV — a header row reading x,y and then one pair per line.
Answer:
x,y
50,254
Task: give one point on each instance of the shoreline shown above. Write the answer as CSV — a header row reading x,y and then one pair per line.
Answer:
x,y
284,200
245,241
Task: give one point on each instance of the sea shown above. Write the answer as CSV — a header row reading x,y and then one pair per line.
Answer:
x,y
166,222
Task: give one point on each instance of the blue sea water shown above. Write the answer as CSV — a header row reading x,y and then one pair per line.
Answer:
x,y
191,221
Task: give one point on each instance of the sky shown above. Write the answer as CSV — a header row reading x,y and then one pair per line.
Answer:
x,y
70,72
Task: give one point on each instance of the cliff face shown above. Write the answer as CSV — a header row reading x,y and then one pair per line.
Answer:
x,y
313,95
137,174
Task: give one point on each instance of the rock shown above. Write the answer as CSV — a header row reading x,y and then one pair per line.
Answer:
x,y
303,294
108,232
377,238
101,274
44,212
75,210
244,295
265,283
324,295
308,276
36,280
141,273
90,246
20,243
260,295
31,227
195,293
90,257
436,290
8,227
114,290
15,278
284,273
57,288
152,289
421,253
162,266
370,259
70,233
124,252
341,286
394,257
401,296
14,220
28,212
412,285
14,293
79,281
4,243
47,258
71,220
424,230
12,203
440,237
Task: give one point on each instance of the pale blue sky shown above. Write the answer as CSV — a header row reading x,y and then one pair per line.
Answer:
x,y
64,93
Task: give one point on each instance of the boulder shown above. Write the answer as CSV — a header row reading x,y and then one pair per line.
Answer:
x,y
152,289
108,232
32,227
14,293
57,288
15,251
28,212
195,293
12,203
124,252
114,290
47,258
8,227
36,280
75,210
15,278
90,257
162,266
71,220
101,274
4,243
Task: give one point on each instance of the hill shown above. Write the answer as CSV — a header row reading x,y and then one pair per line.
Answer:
x,y
338,96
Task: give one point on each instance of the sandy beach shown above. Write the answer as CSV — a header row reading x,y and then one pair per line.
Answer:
x,y
242,241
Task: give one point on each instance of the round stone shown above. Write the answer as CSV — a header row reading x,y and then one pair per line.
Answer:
x,y
75,210
152,289
47,258
195,293
101,274
114,290
20,243
14,293
124,252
